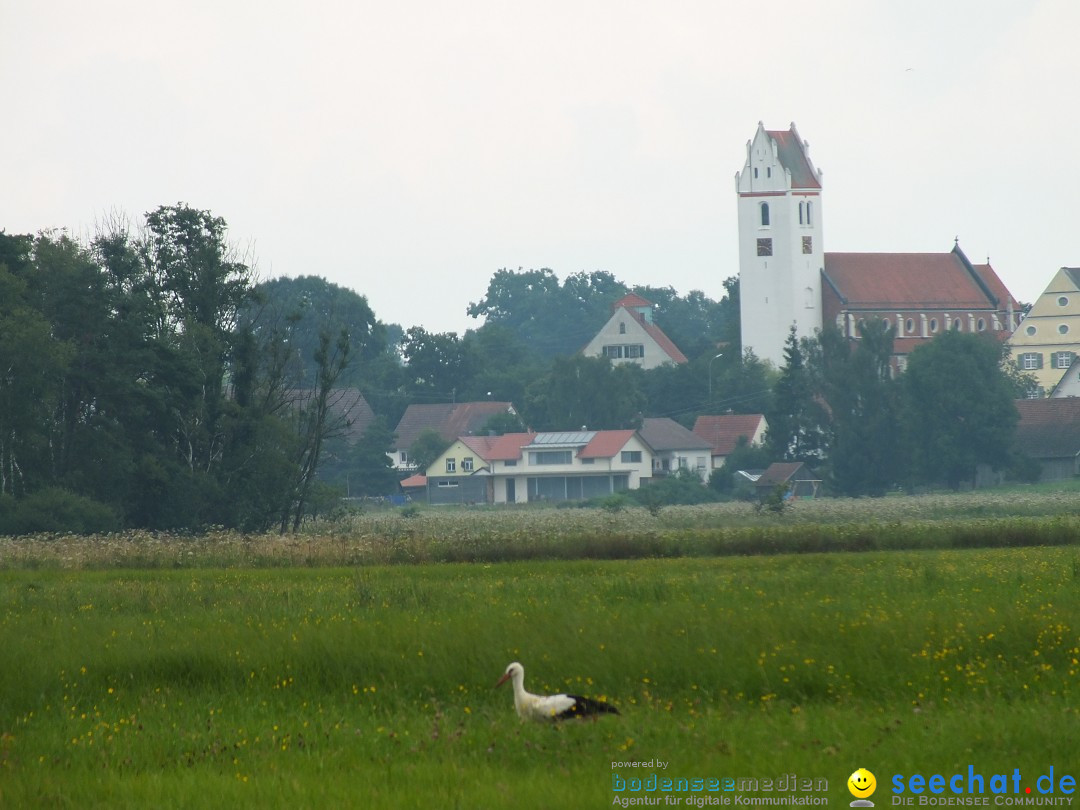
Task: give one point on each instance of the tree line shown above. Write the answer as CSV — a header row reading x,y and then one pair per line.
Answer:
x,y
149,379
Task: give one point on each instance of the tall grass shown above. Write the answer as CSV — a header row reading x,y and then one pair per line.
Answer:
x,y
372,686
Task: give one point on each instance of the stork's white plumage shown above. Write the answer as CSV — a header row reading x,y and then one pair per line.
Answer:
x,y
550,707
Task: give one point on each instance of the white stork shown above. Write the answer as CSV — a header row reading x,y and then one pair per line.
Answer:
x,y
550,707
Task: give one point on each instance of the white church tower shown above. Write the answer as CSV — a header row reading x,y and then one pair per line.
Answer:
x,y
781,254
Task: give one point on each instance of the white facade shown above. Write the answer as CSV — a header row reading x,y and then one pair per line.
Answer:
x,y
781,252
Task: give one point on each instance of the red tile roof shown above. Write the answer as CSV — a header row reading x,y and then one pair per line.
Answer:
x,y
722,432
1049,428
889,281
792,156
449,420
349,413
606,443
418,480
631,300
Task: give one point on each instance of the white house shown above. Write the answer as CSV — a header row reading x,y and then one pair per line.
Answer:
x,y
631,336
558,466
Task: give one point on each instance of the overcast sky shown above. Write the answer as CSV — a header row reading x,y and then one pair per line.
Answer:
x,y
408,150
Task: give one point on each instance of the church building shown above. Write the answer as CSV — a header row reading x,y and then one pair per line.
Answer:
x,y
786,278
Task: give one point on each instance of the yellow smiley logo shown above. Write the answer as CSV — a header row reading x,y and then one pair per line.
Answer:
x,y
861,783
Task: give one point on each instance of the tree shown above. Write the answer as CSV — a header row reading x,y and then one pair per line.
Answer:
x,y
548,317
427,447
585,392
855,381
796,418
438,364
958,407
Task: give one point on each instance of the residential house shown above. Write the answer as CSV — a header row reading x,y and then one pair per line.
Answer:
x,y
557,466
1049,432
631,336
676,448
348,413
1045,345
798,479
446,419
723,432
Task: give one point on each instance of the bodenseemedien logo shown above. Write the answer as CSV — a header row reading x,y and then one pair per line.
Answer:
x,y
862,785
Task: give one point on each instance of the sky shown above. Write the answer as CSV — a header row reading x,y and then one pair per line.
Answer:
x,y
408,150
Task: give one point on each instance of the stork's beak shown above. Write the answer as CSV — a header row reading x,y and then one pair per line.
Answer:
x,y
502,680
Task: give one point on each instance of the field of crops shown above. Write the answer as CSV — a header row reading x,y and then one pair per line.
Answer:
x,y
243,671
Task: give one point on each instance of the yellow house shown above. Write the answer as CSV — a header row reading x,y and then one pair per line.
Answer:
x,y
1047,341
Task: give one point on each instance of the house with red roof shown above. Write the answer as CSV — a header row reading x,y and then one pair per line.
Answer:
x,y
786,278
530,467
722,432
632,336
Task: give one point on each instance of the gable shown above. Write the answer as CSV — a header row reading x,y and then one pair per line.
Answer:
x,y
626,327
662,433
722,432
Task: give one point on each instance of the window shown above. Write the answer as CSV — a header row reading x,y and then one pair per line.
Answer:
x,y
933,324
802,213
635,350
1029,361
957,325
982,325
1063,329
622,328
448,483
755,172
1063,301
510,462
467,464
701,463
588,460
682,462
808,244
768,171
1063,359
764,247
404,456
809,211
1031,330
631,456
614,352
451,465
551,457
764,215
909,325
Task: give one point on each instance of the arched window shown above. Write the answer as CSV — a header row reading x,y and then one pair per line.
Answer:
x,y
802,214
764,215
622,328
809,213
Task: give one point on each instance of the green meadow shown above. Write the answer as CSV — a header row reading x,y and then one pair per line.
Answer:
x,y
190,678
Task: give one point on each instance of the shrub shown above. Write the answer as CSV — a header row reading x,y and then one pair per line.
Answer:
x,y
55,510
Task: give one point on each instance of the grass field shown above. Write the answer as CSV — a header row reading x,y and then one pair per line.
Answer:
x,y
191,684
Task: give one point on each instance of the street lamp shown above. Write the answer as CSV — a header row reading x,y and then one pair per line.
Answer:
x,y
710,374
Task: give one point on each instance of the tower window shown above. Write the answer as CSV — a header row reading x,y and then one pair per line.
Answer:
x,y
802,214
768,171
808,244
809,213
764,215
764,247
755,172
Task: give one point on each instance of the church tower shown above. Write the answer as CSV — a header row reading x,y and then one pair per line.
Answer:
x,y
781,254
